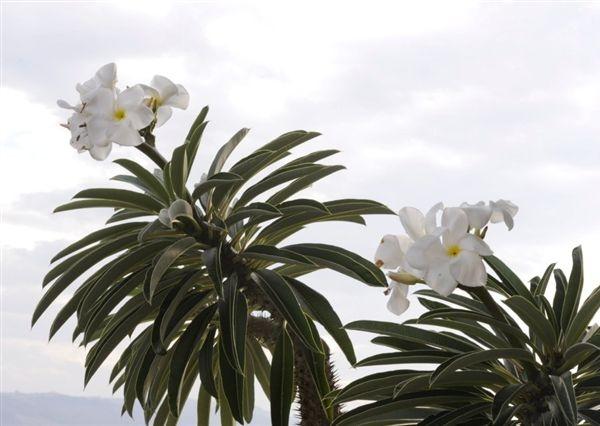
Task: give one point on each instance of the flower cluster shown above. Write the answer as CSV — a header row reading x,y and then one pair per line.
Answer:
x,y
107,115
441,255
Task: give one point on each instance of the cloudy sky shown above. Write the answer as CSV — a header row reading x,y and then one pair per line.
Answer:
x,y
427,101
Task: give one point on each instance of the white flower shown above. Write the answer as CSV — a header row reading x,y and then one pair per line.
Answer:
x,y
118,118
105,77
478,214
454,259
391,254
80,139
503,211
165,94
418,225
496,211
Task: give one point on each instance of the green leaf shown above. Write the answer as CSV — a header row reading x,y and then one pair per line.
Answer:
x,y
150,181
171,310
282,380
168,257
577,354
222,179
211,258
225,152
194,135
198,122
374,386
90,259
343,261
469,328
534,319
573,294
262,368
321,310
566,401
274,254
203,407
582,318
592,416
413,334
509,277
405,357
313,157
205,364
282,296
302,204
275,179
248,398
262,211
233,317
101,234
543,284
389,411
184,349
502,412
473,358
141,201
125,214
559,295
302,183
290,140
113,204
458,416
233,387
179,170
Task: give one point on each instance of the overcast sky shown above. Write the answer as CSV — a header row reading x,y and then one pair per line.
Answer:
x,y
441,101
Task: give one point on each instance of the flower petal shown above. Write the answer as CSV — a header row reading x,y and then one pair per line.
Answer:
x,y
431,216
475,244
124,134
398,302
163,113
99,152
130,97
413,221
107,75
440,279
389,253
455,224
425,252
166,88
102,103
140,116
180,100
98,128
503,211
468,269
478,214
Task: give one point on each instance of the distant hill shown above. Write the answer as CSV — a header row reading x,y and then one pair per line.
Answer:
x,y
53,409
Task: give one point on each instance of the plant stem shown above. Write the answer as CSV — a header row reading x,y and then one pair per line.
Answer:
x,y
152,153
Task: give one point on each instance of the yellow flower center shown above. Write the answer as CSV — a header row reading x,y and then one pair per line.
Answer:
x,y
120,114
453,250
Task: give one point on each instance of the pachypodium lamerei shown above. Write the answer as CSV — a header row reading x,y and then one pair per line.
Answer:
x,y
486,369
196,278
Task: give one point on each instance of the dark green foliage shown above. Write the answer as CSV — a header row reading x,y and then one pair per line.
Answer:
x,y
487,370
205,298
